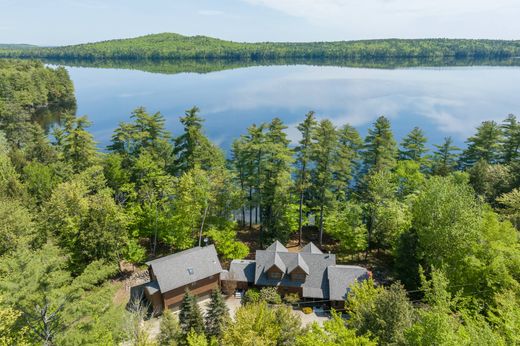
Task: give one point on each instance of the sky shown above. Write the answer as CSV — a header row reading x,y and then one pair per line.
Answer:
x,y
61,22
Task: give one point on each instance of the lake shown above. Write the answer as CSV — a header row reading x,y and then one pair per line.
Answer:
x,y
443,101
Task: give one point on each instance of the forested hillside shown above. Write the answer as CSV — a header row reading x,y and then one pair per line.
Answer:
x,y
446,221
175,46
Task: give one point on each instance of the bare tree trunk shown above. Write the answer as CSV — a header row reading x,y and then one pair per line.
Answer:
x,y
321,225
250,207
300,220
202,224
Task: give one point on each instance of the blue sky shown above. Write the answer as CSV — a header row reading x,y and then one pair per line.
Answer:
x,y
57,22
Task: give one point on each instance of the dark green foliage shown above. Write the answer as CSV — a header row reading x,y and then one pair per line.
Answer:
x,y
324,158
175,46
190,316
445,157
380,146
303,154
193,148
413,146
484,145
217,317
510,139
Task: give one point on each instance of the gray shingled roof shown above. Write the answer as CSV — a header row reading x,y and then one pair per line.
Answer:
x,y
275,261
316,284
185,267
311,248
341,277
277,247
299,263
241,270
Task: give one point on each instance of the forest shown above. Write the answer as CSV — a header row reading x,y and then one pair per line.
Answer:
x,y
175,46
438,225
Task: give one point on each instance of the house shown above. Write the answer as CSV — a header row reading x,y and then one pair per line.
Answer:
x,y
197,269
310,273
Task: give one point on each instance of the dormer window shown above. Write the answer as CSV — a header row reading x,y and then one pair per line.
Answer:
x,y
298,277
274,275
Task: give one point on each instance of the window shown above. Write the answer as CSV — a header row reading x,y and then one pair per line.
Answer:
x,y
298,277
274,275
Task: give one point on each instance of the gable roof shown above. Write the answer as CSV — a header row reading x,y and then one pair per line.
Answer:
x,y
316,284
185,267
299,263
311,248
277,247
341,277
241,271
274,260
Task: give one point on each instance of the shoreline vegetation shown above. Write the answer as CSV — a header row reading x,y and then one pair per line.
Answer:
x,y
170,46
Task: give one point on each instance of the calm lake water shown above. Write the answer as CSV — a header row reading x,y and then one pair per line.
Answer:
x,y
448,101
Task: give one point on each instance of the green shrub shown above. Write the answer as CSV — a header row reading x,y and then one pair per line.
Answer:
x,y
251,296
291,298
270,295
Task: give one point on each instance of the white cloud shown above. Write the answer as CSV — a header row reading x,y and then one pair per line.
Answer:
x,y
404,18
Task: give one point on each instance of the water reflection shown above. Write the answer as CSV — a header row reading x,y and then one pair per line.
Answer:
x,y
442,100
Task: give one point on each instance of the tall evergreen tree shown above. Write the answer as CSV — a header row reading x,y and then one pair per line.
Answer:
x,y
445,157
413,146
217,316
190,316
193,148
147,132
276,182
510,139
324,156
303,160
77,144
240,164
346,162
380,146
484,145
255,149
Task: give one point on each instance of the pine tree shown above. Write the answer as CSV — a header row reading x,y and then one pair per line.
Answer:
x,y
193,148
217,316
78,146
346,160
511,139
445,157
239,164
485,145
170,331
324,155
380,146
276,183
303,159
413,146
190,316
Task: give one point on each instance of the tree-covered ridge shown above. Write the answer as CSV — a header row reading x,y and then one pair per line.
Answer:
x,y
175,46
